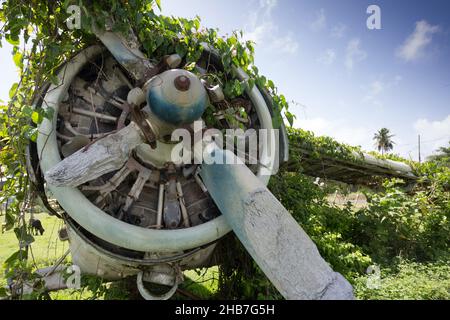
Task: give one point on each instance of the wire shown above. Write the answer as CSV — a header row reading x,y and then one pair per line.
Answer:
x,y
422,142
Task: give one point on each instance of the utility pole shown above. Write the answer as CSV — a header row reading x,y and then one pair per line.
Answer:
x,y
420,160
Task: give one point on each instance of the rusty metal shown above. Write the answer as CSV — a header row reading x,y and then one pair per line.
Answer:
x,y
172,212
139,117
167,62
182,83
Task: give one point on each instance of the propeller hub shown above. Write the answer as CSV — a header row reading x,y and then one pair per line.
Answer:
x,y
176,96
182,83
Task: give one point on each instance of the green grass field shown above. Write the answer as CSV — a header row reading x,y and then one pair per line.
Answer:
x,y
47,249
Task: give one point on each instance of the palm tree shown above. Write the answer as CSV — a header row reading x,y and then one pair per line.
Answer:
x,y
442,156
383,140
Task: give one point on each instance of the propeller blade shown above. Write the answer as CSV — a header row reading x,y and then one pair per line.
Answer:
x,y
104,155
277,243
126,52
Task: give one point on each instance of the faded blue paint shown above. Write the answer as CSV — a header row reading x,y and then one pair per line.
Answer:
x,y
173,113
273,238
230,185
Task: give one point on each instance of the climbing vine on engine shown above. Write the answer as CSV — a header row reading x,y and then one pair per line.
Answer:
x,y
42,42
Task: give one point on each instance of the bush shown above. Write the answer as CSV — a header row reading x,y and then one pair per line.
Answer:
x,y
415,226
412,224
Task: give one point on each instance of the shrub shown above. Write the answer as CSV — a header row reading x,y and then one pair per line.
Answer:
x,y
415,226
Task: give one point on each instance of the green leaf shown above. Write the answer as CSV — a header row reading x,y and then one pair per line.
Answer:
x,y
290,118
251,83
14,40
158,3
36,117
18,255
13,90
24,238
27,111
9,219
31,133
49,113
197,23
17,58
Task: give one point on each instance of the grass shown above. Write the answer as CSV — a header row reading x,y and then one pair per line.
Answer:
x,y
47,249
409,281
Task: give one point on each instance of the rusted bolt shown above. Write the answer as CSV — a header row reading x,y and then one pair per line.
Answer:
x,y
182,83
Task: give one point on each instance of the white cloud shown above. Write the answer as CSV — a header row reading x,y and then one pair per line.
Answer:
x,y
434,134
263,30
285,44
260,21
327,57
338,129
320,22
354,53
374,90
259,32
268,5
377,88
338,31
414,46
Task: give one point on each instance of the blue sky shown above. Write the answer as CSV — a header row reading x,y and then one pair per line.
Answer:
x,y
346,81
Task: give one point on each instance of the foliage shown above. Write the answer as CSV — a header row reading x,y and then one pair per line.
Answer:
x,y
239,275
321,146
389,156
395,223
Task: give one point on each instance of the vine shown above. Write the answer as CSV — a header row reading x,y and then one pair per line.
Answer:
x,y
323,146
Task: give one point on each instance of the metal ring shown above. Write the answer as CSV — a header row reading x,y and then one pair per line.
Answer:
x,y
148,296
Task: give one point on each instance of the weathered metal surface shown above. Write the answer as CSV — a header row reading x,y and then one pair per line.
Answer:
x,y
94,260
270,234
361,171
126,52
